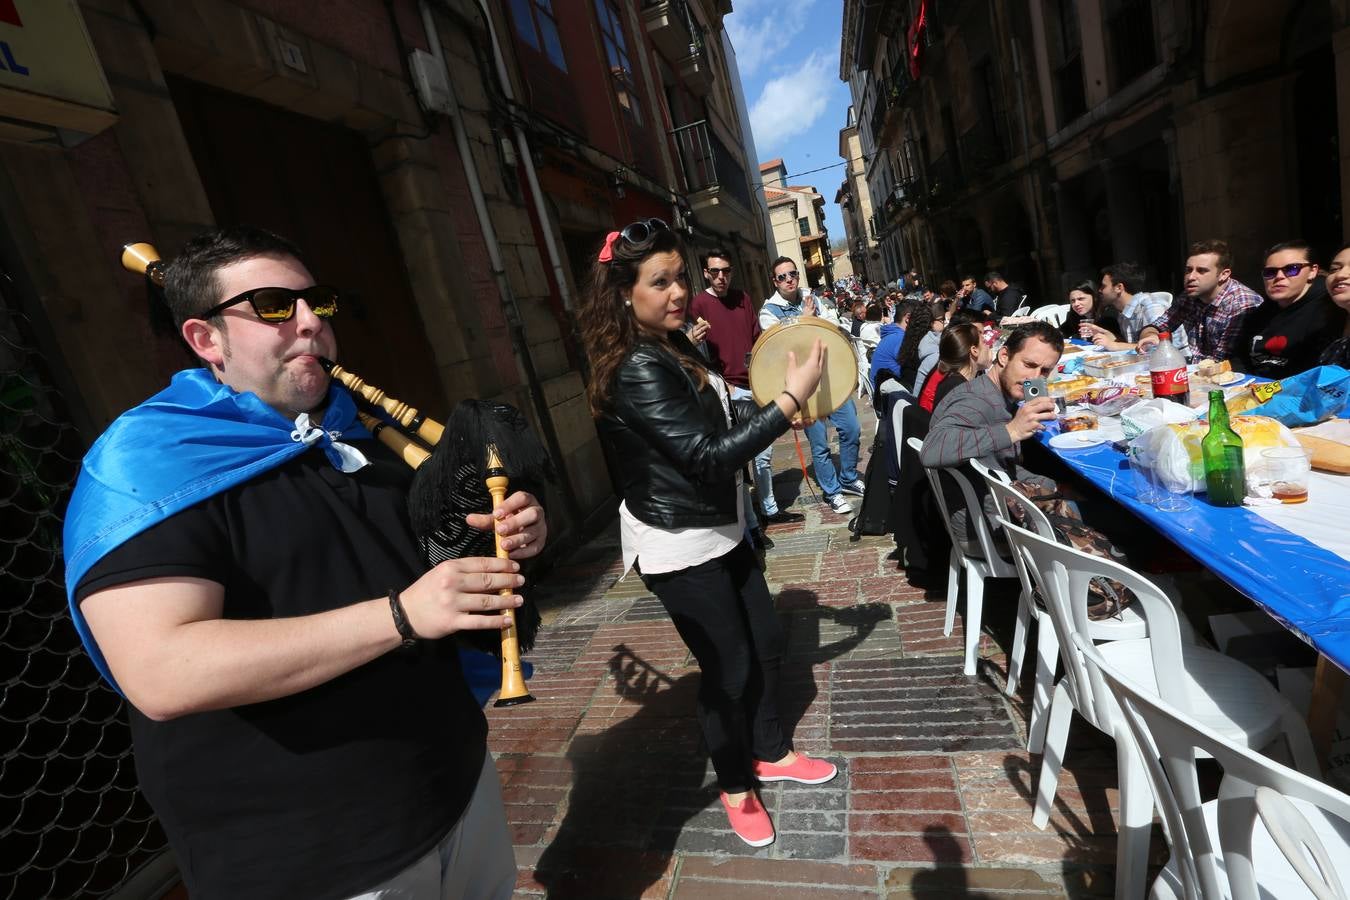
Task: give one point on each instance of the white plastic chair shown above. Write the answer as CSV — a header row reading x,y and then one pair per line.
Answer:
x,y
1021,310
1128,625
1227,697
1272,832
1054,313
978,559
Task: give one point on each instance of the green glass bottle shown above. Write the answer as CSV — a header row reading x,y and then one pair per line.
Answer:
x,y
1221,451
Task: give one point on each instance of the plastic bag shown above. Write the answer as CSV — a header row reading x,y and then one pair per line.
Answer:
x,y
1173,451
1308,397
1148,414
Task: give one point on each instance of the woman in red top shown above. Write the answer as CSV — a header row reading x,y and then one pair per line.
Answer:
x,y
961,356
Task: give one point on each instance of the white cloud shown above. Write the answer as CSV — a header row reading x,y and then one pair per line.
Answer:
x,y
762,29
791,103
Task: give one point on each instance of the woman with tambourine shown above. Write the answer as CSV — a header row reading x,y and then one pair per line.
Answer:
x,y
678,445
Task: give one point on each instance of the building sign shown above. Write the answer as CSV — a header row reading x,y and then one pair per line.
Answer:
x,y
50,76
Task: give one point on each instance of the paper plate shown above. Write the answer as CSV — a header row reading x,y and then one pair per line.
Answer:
x,y
1077,440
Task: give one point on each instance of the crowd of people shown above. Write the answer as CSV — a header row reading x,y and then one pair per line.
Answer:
x,y
301,724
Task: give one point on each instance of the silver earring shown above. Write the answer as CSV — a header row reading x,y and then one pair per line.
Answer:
x,y
628,303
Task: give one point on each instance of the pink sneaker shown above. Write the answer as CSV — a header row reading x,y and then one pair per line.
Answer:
x,y
803,769
750,820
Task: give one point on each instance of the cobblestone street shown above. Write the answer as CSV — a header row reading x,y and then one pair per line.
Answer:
x,y
610,795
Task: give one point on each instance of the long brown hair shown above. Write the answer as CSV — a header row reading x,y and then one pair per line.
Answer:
x,y
954,350
608,328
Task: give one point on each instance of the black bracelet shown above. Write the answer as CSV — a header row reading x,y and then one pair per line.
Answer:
x,y
794,399
405,629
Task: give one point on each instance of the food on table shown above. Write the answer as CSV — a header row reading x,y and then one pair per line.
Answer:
x,y
1070,387
1223,378
1078,421
1209,368
1329,444
1111,399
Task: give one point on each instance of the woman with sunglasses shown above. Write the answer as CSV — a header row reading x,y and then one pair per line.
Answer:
x,y
1287,333
678,444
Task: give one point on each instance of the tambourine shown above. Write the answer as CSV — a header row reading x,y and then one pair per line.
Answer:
x,y
768,363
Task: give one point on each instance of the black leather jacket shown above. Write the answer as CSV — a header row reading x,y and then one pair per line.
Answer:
x,y
674,456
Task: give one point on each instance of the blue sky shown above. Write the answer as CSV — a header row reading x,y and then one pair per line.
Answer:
x,y
788,54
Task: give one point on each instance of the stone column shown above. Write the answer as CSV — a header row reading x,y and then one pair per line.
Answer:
x,y
1075,251
1127,216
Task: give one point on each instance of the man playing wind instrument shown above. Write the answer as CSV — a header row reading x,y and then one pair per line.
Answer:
x,y
241,568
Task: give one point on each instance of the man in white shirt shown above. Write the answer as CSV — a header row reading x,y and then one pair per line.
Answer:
x,y
1136,310
789,302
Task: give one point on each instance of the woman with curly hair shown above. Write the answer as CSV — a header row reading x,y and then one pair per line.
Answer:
x,y
920,341
678,443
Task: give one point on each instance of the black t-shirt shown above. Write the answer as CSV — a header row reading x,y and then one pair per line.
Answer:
x,y
328,792
1278,342
1008,300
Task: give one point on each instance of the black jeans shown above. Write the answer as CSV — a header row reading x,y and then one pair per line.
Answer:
x,y
724,613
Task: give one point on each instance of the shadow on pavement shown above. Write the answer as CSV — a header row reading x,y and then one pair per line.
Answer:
x,y
642,789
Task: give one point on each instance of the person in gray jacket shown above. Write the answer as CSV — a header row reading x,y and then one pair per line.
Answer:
x,y
986,419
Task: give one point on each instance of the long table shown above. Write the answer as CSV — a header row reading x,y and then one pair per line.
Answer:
x,y
1297,581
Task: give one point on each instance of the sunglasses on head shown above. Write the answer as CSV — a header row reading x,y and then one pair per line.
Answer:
x,y
1290,271
786,276
277,304
638,232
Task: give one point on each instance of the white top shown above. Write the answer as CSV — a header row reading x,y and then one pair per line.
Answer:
x,y
672,549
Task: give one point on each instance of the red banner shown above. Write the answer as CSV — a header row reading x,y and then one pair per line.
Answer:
x,y
9,13
916,30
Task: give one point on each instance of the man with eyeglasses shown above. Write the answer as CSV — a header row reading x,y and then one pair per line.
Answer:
x,y
1287,333
733,328
788,302
242,569
1213,309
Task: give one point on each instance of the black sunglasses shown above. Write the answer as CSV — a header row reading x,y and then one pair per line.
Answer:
x,y
277,304
785,276
638,232
1290,271
716,272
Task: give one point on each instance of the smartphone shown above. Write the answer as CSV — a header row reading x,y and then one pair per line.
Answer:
x,y
1034,388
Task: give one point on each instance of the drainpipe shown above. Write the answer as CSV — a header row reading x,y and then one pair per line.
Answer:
x,y
512,307
527,161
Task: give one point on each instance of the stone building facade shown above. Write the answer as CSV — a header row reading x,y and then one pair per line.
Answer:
x,y
461,220
1051,137
854,199
797,220
451,165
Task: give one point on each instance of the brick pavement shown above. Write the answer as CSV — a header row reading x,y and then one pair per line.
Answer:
x,y
609,794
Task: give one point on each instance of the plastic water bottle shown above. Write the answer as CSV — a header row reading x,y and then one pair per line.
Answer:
x,y
1167,371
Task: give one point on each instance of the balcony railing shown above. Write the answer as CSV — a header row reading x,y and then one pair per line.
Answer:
x,y
673,28
983,147
707,163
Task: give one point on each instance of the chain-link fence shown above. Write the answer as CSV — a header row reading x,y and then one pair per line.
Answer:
x,y
72,821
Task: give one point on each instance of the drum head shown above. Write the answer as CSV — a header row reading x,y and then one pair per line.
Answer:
x,y
768,363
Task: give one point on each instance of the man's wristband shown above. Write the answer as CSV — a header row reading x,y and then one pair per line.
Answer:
x,y
405,629
794,399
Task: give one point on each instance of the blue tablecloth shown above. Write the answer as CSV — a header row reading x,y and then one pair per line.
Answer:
x,y
1304,586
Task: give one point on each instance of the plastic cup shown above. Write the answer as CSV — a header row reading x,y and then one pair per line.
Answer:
x,y
1170,499
1145,488
1084,324
1286,470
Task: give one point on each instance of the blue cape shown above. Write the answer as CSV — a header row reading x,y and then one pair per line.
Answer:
x,y
192,440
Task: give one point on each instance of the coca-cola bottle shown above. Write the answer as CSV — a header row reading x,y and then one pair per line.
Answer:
x,y
1167,371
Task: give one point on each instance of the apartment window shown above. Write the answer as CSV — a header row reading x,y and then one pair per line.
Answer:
x,y
616,53
804,226
1131,45
537,26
